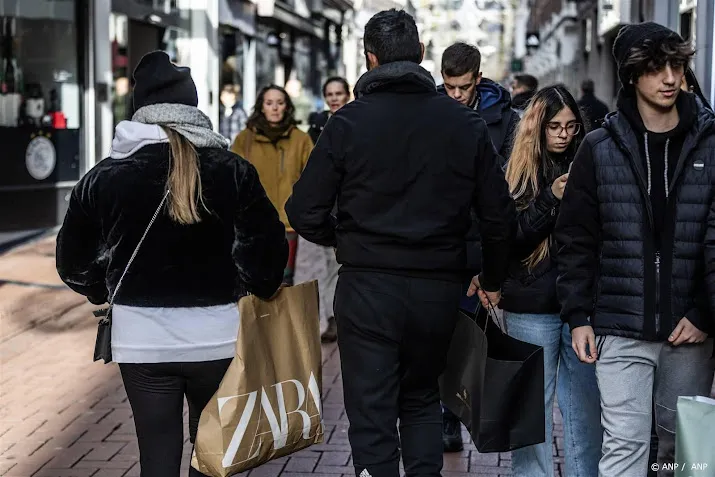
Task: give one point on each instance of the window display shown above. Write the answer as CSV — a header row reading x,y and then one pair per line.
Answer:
x,y
39,73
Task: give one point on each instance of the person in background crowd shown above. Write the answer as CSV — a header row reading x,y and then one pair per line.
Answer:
x,y
537,174
594,109
464,83
279,151
523,88
315,261
336,92
232,116
215,237
403,212
631,231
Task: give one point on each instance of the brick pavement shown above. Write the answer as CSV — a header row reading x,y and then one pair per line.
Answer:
x,y
61,415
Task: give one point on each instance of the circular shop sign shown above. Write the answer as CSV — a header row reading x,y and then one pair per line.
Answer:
x,y
40,158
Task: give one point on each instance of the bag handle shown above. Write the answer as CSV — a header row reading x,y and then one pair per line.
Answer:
x,y
136,250
491,315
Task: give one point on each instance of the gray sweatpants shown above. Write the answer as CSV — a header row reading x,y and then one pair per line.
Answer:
x,y
632,375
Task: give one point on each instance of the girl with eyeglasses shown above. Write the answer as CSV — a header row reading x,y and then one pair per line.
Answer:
x,y
546,141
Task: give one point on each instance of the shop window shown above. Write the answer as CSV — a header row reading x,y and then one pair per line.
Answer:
x,y
232,110
131,39
39,69
267,58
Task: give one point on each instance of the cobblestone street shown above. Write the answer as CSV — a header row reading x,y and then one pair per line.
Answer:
x,y
61,415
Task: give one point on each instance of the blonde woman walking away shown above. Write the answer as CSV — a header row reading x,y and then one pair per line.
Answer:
x,y
172,229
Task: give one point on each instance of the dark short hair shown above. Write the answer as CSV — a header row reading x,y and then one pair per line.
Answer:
x,y
255,117
588,86
527,80
652,56
391,35
336,79
460,59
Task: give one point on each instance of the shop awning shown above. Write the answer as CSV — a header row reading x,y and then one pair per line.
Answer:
x,y
238,14
283,13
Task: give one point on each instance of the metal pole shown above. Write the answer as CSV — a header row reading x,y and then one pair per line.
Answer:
x,y
705,59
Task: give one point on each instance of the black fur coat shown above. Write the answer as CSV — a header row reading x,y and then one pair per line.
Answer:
x,y
238,247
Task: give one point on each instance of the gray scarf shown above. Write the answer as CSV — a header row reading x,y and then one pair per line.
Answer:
x,y
395,72
188,121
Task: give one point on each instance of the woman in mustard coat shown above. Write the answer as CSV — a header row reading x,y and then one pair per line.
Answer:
x,y
279,151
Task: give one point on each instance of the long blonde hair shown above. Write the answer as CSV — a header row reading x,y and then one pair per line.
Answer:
x,y
184,181
527,156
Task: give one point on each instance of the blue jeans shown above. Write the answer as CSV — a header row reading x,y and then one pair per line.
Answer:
x,y
576,388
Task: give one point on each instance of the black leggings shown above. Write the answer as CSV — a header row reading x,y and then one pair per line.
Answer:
x,y
156,393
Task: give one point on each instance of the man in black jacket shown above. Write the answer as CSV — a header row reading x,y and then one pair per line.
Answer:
x,y
463,82
631,231
523,88
594,109
406,165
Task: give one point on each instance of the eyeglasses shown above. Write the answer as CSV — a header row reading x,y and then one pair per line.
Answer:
x,y
555,129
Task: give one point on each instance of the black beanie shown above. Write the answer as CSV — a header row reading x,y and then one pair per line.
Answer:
x,y
157,80
633,36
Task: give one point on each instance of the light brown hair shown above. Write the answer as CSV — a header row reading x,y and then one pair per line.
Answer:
x,y
184,182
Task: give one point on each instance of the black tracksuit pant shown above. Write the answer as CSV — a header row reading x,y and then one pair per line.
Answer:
x,y
393,334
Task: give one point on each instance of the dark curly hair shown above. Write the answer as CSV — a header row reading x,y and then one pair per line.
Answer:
x,y
256,117
653,56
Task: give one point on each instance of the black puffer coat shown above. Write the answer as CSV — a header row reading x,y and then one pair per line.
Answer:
x,y
611,273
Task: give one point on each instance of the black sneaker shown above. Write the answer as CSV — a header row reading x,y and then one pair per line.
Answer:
x,y
452,434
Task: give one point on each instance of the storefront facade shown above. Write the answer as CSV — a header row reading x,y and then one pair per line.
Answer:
x,y
66,77
42,108
65,82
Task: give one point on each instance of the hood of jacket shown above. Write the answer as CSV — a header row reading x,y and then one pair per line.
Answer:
x,y
130,136
401,76
494,99
626,125
627,129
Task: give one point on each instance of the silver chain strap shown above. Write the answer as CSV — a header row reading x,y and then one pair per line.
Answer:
x,y
136,250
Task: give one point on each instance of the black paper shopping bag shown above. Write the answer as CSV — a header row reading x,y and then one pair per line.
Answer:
x,y
462,381
503,385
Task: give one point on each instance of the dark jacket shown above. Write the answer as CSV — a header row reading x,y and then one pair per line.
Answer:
x,y
521,100
239,247
534,290
406,164
493,103
317,122
594,110
611,272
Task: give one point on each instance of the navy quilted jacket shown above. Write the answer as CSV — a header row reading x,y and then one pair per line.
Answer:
x,y
611,273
